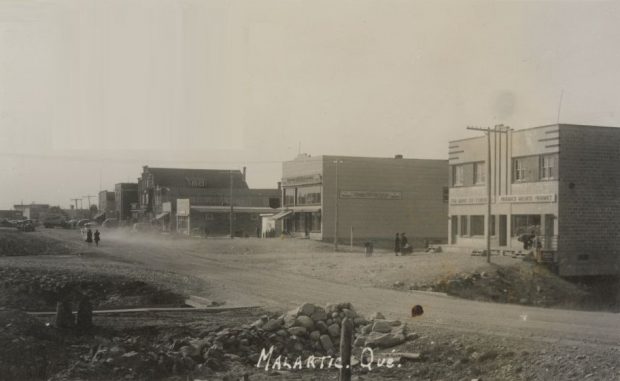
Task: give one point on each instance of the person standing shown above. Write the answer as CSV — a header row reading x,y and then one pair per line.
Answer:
x,y
89,236
404,244
97,234
397,244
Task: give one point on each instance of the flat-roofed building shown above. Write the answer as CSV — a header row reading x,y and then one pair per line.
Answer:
x,y
560,182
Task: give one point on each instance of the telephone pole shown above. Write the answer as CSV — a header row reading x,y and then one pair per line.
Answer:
x,y
230,225
337,162
488,132
88,196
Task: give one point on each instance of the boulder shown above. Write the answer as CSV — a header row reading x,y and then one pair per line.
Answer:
x,y
367,329
360,341
315,335
334,330
319,314
326,343
321,326
384,340
349,313
382,326
306,309
331,308
272,325
304,321
298,331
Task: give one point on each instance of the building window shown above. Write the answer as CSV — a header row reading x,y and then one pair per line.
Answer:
x,y
289,196
457,175
547,167
464,226
309,195
477,225
525,224
518,169
479,173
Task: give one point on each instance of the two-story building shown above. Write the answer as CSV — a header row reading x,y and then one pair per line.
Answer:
x,y
366,198
559,182
125,194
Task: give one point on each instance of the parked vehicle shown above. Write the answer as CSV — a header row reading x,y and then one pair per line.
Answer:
x,y
53,221
110,223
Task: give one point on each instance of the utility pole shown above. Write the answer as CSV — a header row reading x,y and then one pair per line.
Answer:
x,y
230,225
488,132
75,200
88,196
337,162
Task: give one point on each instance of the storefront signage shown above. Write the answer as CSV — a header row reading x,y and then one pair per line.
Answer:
x,y
301,180
183,207
527,198
468,200
371,195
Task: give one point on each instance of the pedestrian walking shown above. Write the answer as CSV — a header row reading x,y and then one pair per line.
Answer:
x,y
97,239
404,244
89,237
397,244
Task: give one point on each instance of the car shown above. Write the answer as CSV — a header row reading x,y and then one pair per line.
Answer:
x,y
53,221
110,223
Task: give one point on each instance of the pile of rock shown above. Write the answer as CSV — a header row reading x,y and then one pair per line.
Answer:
x,y
304,331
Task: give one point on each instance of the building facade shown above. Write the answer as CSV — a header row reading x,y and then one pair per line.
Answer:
x,y
364,198
210,193
560,183
107,204
32,211
125,194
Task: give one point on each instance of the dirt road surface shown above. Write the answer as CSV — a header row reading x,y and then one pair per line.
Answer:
x,y
233,276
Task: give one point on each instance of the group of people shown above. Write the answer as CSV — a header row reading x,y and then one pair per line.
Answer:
x,y
401,245
90,235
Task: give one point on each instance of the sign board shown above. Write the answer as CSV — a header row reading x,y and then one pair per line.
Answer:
x,y
523,198
371,195
468,200
302,180
182,206
166,207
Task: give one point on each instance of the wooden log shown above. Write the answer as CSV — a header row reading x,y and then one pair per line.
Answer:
x,y
346,338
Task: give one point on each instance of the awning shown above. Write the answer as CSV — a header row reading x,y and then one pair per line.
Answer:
x,y
161,215
306,209
281,215
226,209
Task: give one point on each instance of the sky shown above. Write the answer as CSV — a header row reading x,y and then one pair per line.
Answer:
x,y
92,90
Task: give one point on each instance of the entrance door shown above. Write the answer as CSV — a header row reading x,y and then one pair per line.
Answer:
x,y
503,230
453,229
549,227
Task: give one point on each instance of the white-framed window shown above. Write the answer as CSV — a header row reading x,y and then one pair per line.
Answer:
x,y
547,167
518,168
457,175
477,225
479,172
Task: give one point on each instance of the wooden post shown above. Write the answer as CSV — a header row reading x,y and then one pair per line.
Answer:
x,y
346,336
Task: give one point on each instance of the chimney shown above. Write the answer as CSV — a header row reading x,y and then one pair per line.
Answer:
x,y
398,156
244,172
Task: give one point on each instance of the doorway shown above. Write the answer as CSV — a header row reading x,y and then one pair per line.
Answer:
x,y
503,230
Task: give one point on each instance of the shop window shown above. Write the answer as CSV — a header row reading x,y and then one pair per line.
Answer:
x,y
518,170
525,224
479,173
457,175
547,167
477,225
464,231
309,195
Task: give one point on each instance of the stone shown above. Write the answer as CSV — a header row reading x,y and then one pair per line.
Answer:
x,y
335,315
384,340
367,329
289,319
306,309
394,323
321,326
349,313
329,321
331,308
189,351
315,335
412,336
382,326
377,316
360,321
298,331
272,325
360,341
282,333
304,321
326,343
319,314
334,330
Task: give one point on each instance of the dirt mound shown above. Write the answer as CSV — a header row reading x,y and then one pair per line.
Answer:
x,y
38,290
16,243
522,283
29,350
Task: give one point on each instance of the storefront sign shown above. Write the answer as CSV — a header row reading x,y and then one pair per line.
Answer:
x,y
301,180
371,195
468,200
524,198
183,207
